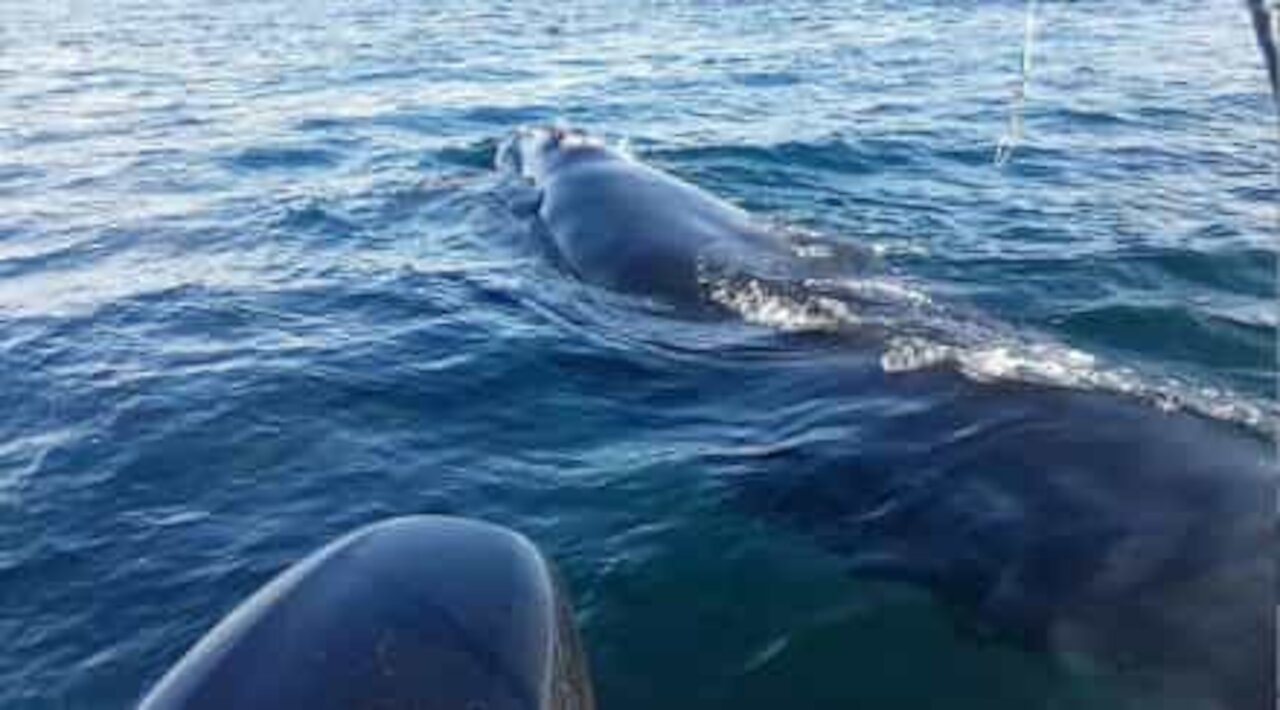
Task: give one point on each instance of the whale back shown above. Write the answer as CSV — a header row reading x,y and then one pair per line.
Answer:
x,y
624,225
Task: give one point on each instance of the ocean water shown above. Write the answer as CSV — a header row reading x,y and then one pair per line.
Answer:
x,y
260,284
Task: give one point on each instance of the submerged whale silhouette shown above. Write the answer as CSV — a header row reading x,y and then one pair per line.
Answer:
x,y
1084,524
1076,523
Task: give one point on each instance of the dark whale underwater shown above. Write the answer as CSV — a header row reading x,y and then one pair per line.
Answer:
x,y
1084,524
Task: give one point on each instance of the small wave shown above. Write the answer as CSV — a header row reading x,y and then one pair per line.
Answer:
x,y
283,157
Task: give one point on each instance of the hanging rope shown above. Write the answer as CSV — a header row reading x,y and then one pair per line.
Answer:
x,y
1266,26
1013,134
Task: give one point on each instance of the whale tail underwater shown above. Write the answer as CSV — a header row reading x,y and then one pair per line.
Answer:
x,y
1083,524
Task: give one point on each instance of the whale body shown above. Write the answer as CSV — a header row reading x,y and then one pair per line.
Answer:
x,y
620,224
1082,524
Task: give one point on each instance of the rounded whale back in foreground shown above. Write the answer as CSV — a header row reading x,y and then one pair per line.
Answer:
x,y
626,226
414,612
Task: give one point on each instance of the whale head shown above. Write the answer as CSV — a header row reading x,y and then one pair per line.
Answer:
x,y
533,152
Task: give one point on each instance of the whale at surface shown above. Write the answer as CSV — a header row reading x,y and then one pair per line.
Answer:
x,y
620,224
1082,524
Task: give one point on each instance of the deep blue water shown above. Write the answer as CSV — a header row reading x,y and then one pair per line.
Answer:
x,y
259,284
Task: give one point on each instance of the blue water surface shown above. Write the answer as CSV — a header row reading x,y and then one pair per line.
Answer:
x,y
259,284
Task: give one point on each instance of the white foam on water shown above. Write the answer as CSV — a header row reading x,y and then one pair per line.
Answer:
x,y
624,146
1056,365
756,302
813,251
886,249
1038,362
877,290
981,353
